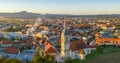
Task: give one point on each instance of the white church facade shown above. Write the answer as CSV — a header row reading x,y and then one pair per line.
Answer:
x,y
74,50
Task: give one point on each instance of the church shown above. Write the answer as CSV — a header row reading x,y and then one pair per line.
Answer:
x,y
73,49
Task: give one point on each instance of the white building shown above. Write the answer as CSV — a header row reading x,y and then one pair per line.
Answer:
x,y
74,50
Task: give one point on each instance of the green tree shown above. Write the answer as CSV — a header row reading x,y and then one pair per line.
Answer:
x,y
68,60
1,59
2,38
16,38
11,61
38,49
44,58
99,49
57,44
37,58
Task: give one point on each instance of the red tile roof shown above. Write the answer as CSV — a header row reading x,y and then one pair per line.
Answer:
x,y
76,45
27,41
11,50
49,48
5,42
47,45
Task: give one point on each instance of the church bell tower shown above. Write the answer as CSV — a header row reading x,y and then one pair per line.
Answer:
x,y
65,42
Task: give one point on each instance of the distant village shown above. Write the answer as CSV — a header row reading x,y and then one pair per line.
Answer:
x,y
63,38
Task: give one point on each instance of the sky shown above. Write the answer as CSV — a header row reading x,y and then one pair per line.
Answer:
x,y
76,7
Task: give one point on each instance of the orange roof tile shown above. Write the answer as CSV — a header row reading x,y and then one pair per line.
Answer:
x,y
76,45
5,42
50,50
11,50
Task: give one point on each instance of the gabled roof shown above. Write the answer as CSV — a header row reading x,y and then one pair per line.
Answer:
x,y
23,41
5,42
50,50
76,45
11,50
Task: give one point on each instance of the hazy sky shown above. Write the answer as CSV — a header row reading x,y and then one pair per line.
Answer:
x,y
62,6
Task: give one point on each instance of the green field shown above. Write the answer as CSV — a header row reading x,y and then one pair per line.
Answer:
x,y
111,56
106,58
101,58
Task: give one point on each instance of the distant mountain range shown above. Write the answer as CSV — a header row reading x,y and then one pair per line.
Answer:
x,y
20,14
32,15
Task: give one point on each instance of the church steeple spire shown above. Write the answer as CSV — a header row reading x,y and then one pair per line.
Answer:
x,y
65,42
64,23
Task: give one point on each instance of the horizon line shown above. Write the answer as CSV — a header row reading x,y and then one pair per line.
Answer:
x,y
63,13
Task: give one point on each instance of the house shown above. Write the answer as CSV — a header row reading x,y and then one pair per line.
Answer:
x,y
107,27
78,49
47,46
12,50
5,43
49,49
107,41
28,25
75,48
27,42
